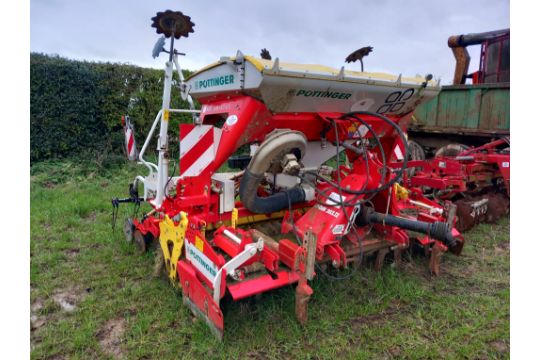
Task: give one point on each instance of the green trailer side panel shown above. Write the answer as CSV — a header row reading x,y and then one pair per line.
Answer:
x,y
426,114
495,111
458,109
463,109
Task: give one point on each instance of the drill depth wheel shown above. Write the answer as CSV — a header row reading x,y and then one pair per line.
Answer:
x,y
140,242
128,230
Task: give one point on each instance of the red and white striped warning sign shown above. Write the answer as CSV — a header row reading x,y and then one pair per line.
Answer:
x,y
198,146
129,133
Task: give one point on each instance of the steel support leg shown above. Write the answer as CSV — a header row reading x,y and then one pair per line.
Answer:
x,y
379,261
303,294
435,259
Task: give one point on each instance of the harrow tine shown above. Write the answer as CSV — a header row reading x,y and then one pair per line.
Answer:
x,y
435,259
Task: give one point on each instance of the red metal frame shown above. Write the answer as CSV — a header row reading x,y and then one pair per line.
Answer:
x,y
482,166
284,261
481,74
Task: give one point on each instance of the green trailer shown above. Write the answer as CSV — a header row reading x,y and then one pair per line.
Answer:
x,y
466,114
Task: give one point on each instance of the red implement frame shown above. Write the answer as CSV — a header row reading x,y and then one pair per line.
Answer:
x,y
472,170
246,262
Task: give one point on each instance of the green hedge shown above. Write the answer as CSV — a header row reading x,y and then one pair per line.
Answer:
x,y
76,106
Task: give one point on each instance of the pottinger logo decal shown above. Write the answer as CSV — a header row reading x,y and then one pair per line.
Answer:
x,y
323,94
201,261
395,101
216,81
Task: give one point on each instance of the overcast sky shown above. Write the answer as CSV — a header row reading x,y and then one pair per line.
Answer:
x,y
408,37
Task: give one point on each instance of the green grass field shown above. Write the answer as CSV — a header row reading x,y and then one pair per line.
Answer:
x,y
92,296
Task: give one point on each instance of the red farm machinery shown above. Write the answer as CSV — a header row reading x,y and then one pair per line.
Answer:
x,y
460,140
325,182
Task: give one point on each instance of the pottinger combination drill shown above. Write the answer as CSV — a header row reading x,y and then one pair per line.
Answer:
x,y
315,194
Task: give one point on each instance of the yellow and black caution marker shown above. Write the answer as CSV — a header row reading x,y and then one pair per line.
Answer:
x,y
234,217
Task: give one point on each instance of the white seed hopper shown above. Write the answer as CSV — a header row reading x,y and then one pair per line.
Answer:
x,y
287,87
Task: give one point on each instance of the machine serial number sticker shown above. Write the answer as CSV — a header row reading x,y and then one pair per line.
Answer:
x,y
338,229
201,261
442,164
505,164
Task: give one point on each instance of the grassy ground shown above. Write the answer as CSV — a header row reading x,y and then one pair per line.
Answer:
x,y
93,297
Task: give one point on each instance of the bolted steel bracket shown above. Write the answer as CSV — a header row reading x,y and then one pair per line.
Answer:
x,y
303,290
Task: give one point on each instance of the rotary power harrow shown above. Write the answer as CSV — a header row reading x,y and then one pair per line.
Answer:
x,y
318,192
476,180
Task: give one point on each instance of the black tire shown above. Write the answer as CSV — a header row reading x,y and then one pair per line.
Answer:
x,y
416,152
451,150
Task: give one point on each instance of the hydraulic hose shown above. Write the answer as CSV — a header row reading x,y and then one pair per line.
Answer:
x,y
436,230
273,147
263,205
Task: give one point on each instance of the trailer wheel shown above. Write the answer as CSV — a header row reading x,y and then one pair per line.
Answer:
x,y
416,152
451,150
